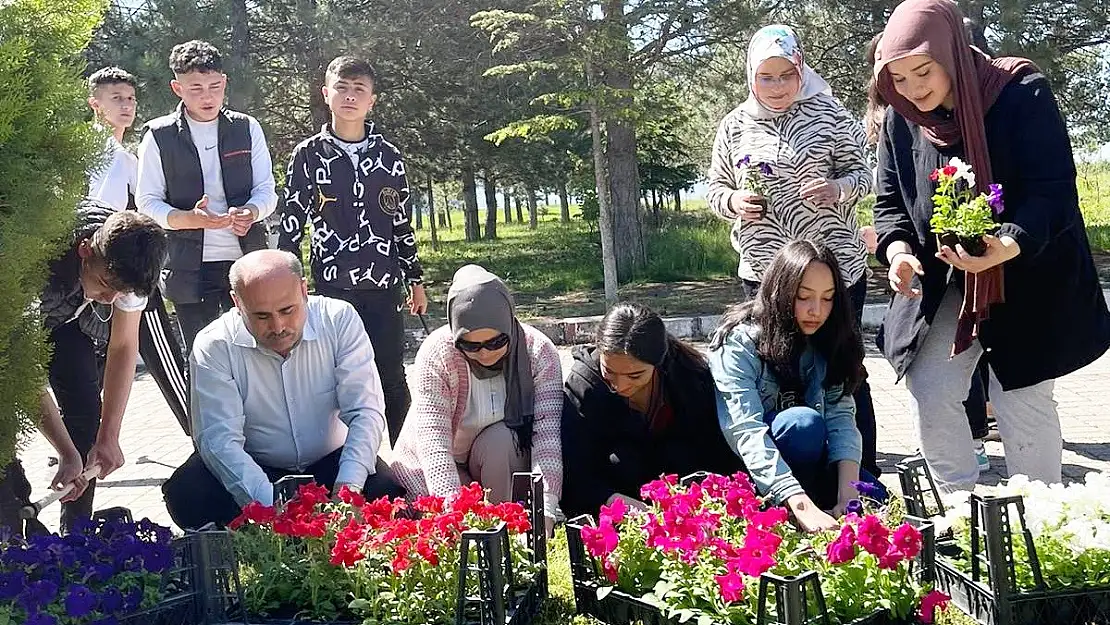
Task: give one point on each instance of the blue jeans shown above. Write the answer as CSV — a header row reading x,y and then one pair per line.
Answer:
x,y
800,436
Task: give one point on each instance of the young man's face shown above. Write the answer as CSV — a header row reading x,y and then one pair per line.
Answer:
x,y
114,104
350,99
202,93
96,282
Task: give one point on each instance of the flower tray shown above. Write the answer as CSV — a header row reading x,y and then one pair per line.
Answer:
x,y
499,601
988,593
782,601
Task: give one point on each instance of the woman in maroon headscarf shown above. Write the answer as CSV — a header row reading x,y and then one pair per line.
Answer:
x,y
1032,302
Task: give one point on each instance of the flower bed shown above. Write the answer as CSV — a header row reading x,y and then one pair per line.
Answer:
x,y
104,573
436,562
1033,554
711,552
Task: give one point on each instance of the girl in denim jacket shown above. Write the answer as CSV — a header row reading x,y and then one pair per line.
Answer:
x,y
785,365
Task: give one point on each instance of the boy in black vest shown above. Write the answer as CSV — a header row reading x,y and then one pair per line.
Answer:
x,y
112,99
205,175
349,183
96,291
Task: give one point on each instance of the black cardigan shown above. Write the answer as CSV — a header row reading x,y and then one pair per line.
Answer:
x,y
1054,320
607,447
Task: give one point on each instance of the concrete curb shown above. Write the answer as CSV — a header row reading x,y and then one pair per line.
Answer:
x,y
577,330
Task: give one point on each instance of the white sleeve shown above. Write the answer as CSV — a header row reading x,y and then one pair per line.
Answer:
x,y
151,196
264,193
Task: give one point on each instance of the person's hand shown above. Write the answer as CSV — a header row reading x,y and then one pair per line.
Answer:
x,y
242,218
808,516
107,454
418,300
902,269
998,252
847,494
742,205
199,218
632,503
823,192
870,238
70,469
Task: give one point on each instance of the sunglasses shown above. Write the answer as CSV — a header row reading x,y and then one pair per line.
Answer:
x,y
494,344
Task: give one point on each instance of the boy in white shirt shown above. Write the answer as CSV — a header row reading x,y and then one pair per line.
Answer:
x,y
113,101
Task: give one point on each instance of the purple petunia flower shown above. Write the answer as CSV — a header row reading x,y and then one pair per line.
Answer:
x,y
744,162
111,601
79,601
156,558
995,199
41,618
867,489
107,620
11,584
37,594
765,169
132,599
855,506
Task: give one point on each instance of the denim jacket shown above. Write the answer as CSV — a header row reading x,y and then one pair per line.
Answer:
x,y
747,389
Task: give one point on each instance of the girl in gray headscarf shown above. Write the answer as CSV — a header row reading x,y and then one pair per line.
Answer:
x,y
487,399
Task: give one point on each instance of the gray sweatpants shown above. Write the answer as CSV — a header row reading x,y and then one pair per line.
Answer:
x,y
493,461
1027,419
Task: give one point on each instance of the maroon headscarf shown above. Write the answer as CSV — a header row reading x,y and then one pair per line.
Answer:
x,y
935,28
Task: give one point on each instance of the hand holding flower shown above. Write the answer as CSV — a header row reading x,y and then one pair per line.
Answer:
x,y
999,250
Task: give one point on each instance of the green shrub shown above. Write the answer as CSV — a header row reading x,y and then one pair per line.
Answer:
x,y
46,147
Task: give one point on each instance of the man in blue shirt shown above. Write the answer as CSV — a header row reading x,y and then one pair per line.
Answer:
x,y
282,384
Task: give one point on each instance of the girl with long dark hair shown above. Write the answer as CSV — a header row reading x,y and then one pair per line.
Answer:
x,y
639,404
785,365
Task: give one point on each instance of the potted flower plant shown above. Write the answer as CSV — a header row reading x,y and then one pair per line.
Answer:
x,y
960,216
704,552
99,573
353,560
752,173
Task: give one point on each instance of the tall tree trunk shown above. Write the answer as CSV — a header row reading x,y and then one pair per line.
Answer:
x,y
620,145
564,201
519,210
678,200
472,230
605,218
533,209
432,214
241,94
312,60
489,184
508,199
447,214
416,200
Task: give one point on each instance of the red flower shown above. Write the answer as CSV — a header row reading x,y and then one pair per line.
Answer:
x,y
469,498
348,496
514,516
313,493
757,555
254,512
891,559
930,603
614,513
432,504
426,551
346,551
449,523
731,585
907,539
401,560
935,175
840,551
873,535
769,518
950,170
610,571
600,541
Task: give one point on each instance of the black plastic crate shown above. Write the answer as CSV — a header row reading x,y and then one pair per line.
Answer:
x,y
499,600
989,592
782,601
191,594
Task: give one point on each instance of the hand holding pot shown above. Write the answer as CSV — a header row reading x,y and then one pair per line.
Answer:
x,y
999,250
747,206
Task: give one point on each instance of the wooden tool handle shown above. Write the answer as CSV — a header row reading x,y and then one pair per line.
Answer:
x,y
31,511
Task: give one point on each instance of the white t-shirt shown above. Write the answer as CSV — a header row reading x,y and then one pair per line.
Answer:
x,y
352,149
120,174
485,405
128,302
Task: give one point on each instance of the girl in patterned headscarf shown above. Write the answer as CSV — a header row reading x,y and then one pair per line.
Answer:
x,y
815,169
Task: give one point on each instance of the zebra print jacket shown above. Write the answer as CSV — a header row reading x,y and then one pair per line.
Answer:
x,y
815,138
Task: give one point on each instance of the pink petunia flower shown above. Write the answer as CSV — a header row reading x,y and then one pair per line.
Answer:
x,y
907,539
930,603
600,541
731,585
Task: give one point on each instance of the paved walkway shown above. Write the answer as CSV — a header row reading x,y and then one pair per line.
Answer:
x,y
154,444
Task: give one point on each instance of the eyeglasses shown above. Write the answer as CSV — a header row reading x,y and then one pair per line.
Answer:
x,y
494,344
767,81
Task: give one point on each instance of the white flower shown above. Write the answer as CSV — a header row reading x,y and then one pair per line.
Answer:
x,y
963,170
